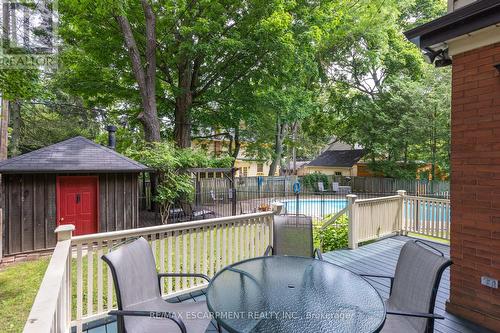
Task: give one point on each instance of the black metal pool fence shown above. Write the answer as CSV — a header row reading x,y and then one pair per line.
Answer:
x,y
217,197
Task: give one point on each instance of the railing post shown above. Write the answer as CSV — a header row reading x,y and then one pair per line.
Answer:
x,y
352,218
402,229
65,232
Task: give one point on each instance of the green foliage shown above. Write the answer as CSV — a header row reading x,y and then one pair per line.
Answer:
x,y
310,181
333,237
260,70
394,169
174,184
44,124
382,95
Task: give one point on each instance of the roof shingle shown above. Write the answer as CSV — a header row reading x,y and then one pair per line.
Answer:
x,y
75,155
338,158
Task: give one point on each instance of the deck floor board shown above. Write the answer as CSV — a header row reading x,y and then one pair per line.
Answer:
x,y
381,257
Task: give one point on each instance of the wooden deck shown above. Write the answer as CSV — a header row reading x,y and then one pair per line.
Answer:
x,y
379,257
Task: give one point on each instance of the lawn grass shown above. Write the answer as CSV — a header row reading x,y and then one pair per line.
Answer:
x,y
19,284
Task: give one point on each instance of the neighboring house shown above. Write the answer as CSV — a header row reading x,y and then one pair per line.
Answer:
x,y
338,159
468,38
336,163
247,166
75,181
299,168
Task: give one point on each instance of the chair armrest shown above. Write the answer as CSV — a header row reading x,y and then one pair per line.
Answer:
x,y
151,314
202,276
317,253
415,314
269,250
382,277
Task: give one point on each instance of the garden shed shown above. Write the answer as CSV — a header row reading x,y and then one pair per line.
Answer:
x,y
75,181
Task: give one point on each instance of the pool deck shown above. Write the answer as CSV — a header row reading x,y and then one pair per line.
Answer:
x,y
376,258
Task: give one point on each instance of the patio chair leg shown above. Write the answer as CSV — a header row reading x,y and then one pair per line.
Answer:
x,y
219,329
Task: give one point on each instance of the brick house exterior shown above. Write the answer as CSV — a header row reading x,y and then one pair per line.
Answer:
x,y
475,185
468,38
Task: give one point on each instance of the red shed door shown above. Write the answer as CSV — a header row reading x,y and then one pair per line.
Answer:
x,y
77,203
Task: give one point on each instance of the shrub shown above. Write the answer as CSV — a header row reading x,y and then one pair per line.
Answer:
x,y
170,162
333,237
311,180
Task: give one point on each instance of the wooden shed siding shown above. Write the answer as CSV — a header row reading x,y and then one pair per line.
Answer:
x,y
29,202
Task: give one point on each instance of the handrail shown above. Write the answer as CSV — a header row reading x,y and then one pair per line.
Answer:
x,y
50,299
167,227
378,199
413,197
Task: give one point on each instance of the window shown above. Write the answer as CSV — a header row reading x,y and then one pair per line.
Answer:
x,y
244,172
338,173
260,169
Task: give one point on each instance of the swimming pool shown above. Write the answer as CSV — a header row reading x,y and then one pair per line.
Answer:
x,y
314,207
322,207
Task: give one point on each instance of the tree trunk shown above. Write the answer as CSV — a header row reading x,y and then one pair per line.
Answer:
x,y
144,75
182,128
4,129
237,145
183,103
15,118
294,150
278,147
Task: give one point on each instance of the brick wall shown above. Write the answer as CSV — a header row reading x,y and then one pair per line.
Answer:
x,y
475,185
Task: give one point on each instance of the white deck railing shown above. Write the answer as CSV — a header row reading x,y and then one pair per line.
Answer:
x,y
51,311
192,247
373,218
378,217
427,216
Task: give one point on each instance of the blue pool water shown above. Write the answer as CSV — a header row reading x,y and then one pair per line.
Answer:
x,y
314,207
322,207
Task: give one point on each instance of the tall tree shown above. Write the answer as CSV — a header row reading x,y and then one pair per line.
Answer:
x,y
203,49
144,69
366,97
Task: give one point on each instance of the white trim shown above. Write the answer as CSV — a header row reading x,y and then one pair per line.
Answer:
x,y
474,40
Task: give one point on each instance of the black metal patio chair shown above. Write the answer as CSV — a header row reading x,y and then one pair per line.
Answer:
x,y
141,309
410,307
293,235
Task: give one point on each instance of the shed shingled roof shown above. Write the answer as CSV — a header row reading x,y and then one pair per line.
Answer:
x,y
75,155
338,158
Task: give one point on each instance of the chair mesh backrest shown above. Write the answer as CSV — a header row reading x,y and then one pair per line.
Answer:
x,y
335,186
418,272
293,235
321,186
134,270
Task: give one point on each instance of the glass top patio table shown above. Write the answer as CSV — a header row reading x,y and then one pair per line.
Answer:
x,y
293,294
